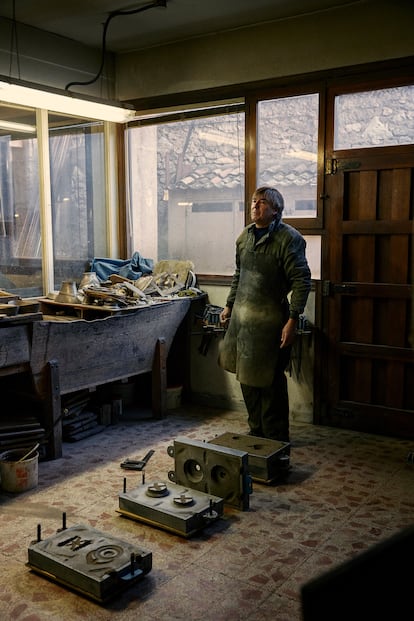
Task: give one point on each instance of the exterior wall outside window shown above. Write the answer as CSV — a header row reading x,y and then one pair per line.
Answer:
x,y
380,118
287,139
186,181
188,176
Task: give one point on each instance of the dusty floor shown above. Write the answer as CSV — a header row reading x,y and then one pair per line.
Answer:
x,y
346,492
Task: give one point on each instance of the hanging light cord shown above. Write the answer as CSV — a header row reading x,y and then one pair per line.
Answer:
x,y
110,17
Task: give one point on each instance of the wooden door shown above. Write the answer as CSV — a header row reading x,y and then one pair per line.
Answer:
x,y
367,363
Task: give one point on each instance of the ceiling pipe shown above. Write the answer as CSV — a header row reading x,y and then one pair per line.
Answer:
x,y
120,12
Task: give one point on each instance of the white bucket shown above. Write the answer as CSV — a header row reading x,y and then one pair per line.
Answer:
x,y
18,476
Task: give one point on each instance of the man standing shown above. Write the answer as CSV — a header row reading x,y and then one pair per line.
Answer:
x,y
270,264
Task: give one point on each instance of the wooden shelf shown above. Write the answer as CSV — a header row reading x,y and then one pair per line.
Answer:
x,y
85,311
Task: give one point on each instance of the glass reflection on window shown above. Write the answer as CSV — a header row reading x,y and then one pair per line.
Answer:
x,y
78,195
287,147
20,238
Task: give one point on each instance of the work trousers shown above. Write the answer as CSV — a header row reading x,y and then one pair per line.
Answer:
x,y
268,407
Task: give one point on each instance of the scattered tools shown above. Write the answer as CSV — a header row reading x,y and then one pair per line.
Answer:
x,y
211,326
211,315
137,464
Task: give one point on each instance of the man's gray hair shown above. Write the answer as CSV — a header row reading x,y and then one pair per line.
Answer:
x,y
273,196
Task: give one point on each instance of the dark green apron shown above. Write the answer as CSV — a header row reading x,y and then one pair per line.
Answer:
x,y
251,345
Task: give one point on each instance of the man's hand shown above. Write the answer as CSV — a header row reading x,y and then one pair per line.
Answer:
x,y
225,315
288,333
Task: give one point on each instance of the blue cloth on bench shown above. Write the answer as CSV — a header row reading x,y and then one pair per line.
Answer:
x,y
132,268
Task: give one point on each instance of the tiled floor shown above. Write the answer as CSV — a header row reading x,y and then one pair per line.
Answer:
x,y
346,492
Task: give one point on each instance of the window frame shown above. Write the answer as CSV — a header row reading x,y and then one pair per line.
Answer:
x,y
112,208
306,225
192,111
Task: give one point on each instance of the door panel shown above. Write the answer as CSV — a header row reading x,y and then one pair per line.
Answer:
x,y
367,305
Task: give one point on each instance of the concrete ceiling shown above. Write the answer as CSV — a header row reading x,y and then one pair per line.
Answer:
x,y
84,20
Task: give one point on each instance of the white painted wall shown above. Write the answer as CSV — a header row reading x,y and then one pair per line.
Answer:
x,y
361,32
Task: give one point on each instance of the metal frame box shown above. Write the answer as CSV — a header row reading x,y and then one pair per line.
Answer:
x,y
95,564
176,508
268,460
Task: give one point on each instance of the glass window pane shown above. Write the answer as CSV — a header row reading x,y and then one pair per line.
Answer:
x,y
377,118
287,148
78,195
186,187
20,242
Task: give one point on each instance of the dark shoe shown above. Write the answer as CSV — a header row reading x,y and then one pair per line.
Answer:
x,y
281,439
256,434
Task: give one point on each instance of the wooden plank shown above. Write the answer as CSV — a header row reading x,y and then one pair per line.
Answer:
x,y
362,188
89,353
389,384
395,193
359,324
377,290
377,227
364,350
372,418
159,380
355,266
12,370
356,379
14,346
77,355
21,318
52,410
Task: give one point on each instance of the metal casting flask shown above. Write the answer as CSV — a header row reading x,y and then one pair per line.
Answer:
x,y
67,292
89,279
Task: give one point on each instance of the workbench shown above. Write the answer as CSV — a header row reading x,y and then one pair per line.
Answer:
x,y
64,354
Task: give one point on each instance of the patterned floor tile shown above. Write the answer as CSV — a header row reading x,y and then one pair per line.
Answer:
x,y
344,493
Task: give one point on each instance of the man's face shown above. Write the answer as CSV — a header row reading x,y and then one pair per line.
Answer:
x,y
261,212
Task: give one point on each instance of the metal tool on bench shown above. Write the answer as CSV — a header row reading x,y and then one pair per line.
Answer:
x,y
137,464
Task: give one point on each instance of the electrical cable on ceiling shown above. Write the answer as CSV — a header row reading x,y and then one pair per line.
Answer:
x,y
14,42
120,12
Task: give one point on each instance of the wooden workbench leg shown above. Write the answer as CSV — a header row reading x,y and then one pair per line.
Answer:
x,y
159,380
53,410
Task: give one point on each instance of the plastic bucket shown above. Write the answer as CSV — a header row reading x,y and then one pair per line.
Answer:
x,y
18,476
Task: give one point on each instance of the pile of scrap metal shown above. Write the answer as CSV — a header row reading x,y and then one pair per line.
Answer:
x,y
116,292
169,279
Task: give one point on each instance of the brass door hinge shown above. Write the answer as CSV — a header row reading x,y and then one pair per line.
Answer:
x,y
331,166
